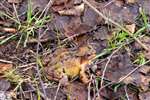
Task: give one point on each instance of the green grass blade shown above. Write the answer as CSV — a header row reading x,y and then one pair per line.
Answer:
x,y
7,39
29,12
144,17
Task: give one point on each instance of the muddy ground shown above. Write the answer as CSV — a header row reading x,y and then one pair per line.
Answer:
x,y
74,50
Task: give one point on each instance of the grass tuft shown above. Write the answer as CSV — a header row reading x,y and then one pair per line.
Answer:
x,y
27,28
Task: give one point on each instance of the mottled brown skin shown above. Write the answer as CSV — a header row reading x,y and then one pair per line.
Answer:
x,y
66,62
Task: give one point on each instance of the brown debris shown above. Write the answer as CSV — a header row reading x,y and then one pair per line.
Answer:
x,y
146,41
5,67
14,1
144,82
39,4
4,85
145,6
10,30
76,91
130,1
131,27
76,27
144,70
141,81
144,96
118,67
75,11
60,2
62,5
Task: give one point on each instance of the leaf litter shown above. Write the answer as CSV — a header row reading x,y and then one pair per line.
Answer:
x,y
74,37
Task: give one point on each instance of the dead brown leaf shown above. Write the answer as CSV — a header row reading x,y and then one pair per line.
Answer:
x,y
39,4
76,91
119,3
4,67
4,85
118,67
51,92
91,18
144,96
75,11
144,5
146,41
102,33
128,80
60,2
130,1
144,82
120,13
131,27
62,5
76,27
139,80
145,70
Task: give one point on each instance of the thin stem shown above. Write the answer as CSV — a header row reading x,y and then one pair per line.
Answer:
x,y
116,24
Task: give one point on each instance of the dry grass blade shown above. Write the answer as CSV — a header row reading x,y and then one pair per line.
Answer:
x,y
116,24
10,30
45,10
127,95
106,65
6,61
55,97
89,88
38,66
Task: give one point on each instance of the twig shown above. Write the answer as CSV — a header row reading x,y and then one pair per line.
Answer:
x,y
116,24
109,58
106,65
6,29
104,71
123,77
89,86
2,37
104,86
36,41
97,89
109,3
16,14
6,61
132,72
23,66
125,88
38,69
44,12
57,90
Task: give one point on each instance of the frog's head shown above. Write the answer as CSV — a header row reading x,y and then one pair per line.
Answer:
x,y
86,52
